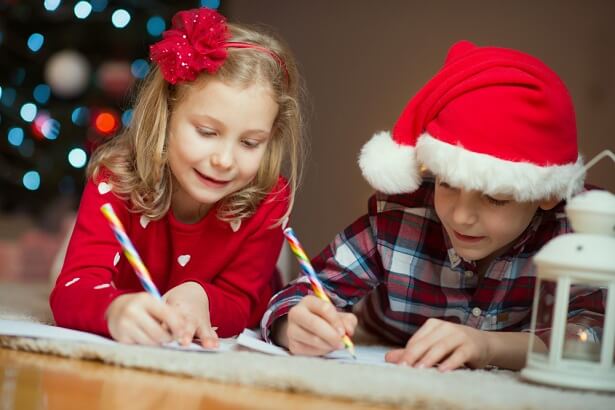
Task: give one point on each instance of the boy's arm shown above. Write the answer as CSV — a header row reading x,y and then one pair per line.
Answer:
x,y
348,268
508,350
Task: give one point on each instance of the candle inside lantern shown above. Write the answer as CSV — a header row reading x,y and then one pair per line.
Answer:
x,y
581,348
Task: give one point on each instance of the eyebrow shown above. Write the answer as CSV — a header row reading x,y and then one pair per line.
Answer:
x,y
220,124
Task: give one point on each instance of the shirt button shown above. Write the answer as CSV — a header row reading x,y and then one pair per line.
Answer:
x,y
476,312
469,273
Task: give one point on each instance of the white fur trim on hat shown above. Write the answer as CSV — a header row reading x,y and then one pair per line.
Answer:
x,y
474,171
388,166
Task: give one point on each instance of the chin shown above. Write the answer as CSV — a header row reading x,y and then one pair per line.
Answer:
x,y
471,254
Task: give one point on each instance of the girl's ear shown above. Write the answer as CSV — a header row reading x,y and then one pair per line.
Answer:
x,y
549,204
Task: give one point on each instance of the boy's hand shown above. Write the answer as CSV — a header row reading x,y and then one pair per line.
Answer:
x,y
190,301
438,341
315,327
138,318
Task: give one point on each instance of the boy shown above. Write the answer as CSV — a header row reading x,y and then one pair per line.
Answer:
x,y
444,266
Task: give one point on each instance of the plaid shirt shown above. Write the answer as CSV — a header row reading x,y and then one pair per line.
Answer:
x,y
400,264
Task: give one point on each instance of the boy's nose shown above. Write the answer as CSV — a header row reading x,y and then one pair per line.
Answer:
x,y
465,210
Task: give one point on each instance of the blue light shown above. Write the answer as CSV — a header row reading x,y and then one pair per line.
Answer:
x,y
31,180
212,4
77,157
120,18
126,118
15,136
80,116
41,93
82,9
8,96
0,92
155,26
1,36
51,129
51,5
99,5
28,112
35,41
139,68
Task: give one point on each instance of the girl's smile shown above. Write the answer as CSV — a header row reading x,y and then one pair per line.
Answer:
x,y
212,182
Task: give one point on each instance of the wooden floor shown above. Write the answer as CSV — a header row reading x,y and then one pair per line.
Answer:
x,y
39,381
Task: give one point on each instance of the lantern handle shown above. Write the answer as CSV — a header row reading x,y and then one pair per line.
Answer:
x,y
586,167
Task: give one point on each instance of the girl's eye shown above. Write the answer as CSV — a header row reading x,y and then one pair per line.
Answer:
x,y
496,202
250,143
206,132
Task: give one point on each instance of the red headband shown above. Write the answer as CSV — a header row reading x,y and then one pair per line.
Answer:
x,y
197,41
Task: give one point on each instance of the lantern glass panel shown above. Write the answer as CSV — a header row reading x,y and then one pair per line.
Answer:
x,y
582,339
544,312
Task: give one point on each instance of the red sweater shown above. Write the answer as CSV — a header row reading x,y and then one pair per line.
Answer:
x,y
234,264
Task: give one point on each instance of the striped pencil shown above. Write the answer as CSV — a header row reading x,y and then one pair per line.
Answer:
x,y
129,250
308,270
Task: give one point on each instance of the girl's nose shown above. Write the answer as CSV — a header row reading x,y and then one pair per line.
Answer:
x,y
223,157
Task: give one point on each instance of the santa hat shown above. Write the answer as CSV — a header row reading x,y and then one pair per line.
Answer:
x,y
492,119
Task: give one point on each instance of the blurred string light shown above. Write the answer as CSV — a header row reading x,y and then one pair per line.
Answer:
x,y
120,18
212,4
27,148
80,116
28,112
155,26
18,77
35,42
46,127
139,68
31,180
41,93
8,96
99,5
15,136
82,9
127,117
77,157
51,5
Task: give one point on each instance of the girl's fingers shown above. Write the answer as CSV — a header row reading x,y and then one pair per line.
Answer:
x,y
208,336
140,337
154,330
170,318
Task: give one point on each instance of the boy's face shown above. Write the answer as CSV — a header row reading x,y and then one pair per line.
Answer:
x,y
479,225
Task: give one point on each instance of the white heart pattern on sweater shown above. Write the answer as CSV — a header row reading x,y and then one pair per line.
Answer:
x,y
235,224
116,258
183,259
103,188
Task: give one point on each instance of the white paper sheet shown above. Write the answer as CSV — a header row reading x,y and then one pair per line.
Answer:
x,y
248,339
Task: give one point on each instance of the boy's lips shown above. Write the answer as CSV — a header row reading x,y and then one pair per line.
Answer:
x,y
467,238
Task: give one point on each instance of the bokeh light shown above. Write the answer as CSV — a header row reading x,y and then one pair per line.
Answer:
x,y
41,93
212,4
35,42
31,180
127,118
80,116
51,5
28,112
82,9
77,157
155,26
15,136
120,18
106,122
139,68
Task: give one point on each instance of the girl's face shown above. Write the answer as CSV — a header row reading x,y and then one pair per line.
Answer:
x,y
480,226
218,134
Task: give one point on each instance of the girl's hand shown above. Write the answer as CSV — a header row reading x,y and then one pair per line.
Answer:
x,y
315,327
449,344
138,318
190,301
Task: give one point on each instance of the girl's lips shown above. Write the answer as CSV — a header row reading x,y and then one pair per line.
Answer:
x,y
467,238
211,182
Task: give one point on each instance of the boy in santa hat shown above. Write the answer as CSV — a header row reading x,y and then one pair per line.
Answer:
x,y
470,186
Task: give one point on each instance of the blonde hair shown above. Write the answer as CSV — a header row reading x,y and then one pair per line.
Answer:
x,y
137,158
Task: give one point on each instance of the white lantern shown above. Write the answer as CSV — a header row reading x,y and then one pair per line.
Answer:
x,y
576,357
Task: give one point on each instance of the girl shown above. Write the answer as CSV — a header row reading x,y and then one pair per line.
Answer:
x,y
195,180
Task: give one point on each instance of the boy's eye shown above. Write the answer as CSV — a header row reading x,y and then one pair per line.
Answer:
x,y
496,202
444,185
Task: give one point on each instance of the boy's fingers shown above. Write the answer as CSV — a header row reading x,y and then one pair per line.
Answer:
x,y
298,348
350,323
310,339
327,312
316,325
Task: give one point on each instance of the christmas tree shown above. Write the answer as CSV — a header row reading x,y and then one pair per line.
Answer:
x,y
67,72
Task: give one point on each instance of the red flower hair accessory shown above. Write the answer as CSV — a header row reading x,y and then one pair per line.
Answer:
x,y
195,42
